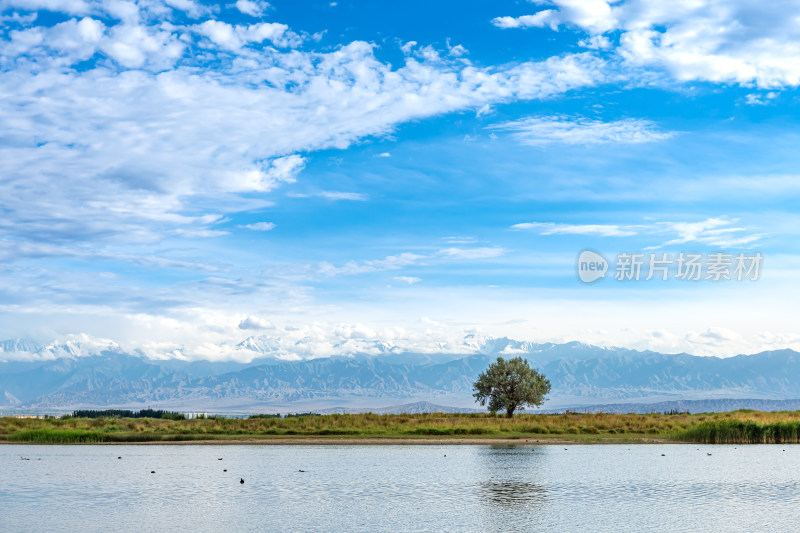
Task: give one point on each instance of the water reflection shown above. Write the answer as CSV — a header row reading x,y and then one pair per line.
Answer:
x,y
511,476
512,493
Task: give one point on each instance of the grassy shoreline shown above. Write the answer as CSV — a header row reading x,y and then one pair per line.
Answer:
x,y
737,427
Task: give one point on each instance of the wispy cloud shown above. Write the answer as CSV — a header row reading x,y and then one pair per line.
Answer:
x,y
259,226
712,231
604,230
331,195
484,252
337,195
715,231
392,262
411,280
405,259
540,131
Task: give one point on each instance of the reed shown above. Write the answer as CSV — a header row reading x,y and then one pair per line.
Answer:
x,y
742,432
57,436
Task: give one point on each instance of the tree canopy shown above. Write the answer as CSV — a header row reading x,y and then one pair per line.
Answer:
x,y
510,385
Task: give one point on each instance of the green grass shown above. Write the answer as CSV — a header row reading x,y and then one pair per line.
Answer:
x,y
57,436
742,432
734,427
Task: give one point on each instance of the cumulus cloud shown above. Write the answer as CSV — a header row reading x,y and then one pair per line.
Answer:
x,y
254,8
592,15
233,37
140,123
727,41
252,322
540,131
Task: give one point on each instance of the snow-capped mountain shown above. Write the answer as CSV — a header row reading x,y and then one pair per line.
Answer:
x,y
100,375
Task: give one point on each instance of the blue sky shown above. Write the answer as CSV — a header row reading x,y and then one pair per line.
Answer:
x,y
176,176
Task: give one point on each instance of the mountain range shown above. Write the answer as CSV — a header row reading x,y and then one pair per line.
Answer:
x,y
582,376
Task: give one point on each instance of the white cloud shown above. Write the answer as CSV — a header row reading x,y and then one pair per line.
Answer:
x,y
760,99
411,280
270,174
471,253
338,195
392,262
260,226
405,259
331,195
220,338
603,230
725,41
233,38
460,240
592,15
540,131
596,42
538,20
78,345
190,7
712,231
162,122
408,47
715,231
199,233
252,322
72,7
457,50
253,8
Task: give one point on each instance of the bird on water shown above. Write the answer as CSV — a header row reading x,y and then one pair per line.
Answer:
x,y
241,480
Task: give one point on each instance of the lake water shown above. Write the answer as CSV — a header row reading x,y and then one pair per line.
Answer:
x,y
399,488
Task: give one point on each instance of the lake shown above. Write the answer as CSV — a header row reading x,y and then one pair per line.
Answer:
x,y
399,488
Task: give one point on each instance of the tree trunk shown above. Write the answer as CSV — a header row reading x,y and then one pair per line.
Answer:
x,y
510,412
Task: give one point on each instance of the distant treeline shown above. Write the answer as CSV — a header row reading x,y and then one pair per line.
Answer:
x,y
125,413
289,415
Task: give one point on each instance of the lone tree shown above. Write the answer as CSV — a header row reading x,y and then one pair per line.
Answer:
x,y
510,385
